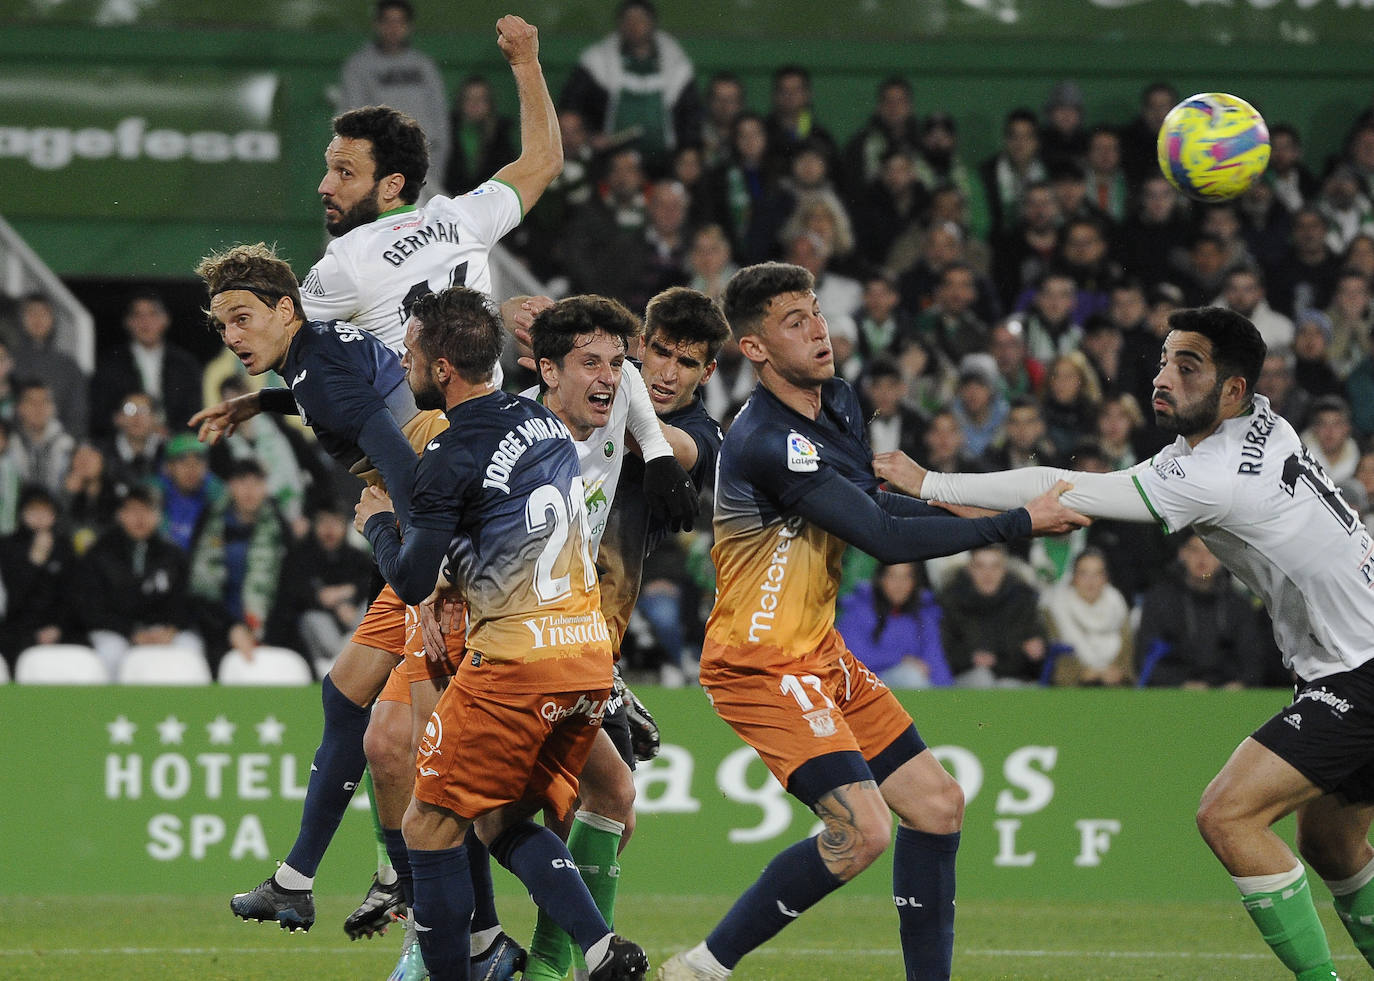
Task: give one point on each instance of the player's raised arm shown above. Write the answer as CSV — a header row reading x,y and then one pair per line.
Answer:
x,y
541,144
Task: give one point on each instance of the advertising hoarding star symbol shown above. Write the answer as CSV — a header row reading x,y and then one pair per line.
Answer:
x,y
171,730
121,731
221,731
270,731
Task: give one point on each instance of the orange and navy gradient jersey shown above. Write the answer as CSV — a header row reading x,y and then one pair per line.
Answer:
x,y
791,493
503,484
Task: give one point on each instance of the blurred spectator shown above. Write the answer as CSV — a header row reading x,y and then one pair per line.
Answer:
x,y
602,238
1119,420
37,357
324,589
1049,319
1138,363
389,72
1023,442
90,496
1088,614
1293,183
1135,553
839,295
657,256
1311,346
724,102
1063,137
743,187
188,488
236,562
1306,276
688,168
792,123
1329,438
940,166
1359,153
1265,224
265,440
944,445
978,403
950,322
1107,187
1348,212
1210,631
11,480
484,140
1140,136
133,455
1008,174
892,625
709,261
887,206
42,447
539,237
1352,318
893,424
1025,252
884,329
1103,346
992,628
1019,374
132,584
892,128
6,382
821,212
1243,292
1202,272
945,243
1083,253
1070,402
149,364
37,566
636,88
1155,231
1359,256
1070,186
1277,383
729,385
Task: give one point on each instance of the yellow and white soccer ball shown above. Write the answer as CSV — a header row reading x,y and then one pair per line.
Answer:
x,y
1212,146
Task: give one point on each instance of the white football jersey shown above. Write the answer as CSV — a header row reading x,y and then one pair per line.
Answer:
x,y
373,274
1270,513
602,454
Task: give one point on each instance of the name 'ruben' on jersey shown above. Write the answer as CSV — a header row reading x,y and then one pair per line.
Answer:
x,y
1271,514
509,490
373,274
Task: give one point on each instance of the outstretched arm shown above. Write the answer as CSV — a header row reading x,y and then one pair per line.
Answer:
x,y
1114,496
541,143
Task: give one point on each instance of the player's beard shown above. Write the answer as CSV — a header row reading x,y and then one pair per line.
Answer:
x,y
363,213
428,396
1190,422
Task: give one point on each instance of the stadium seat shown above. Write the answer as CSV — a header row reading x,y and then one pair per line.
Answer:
x,y
60,664
163,664
267,666
1158,650
1052,656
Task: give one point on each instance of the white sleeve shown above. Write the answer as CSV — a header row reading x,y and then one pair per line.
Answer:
x,y
1116,496
1183,491
330,290
643,421
492,209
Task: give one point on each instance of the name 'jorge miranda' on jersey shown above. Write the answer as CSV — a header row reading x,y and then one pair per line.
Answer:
x,y
513,445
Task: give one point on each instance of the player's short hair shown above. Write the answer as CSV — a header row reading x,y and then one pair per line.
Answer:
x,y
459,325
256,268
680,314
750,290
1237,347
555,331
382,6
398,143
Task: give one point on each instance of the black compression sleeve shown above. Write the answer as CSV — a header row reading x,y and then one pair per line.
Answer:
x,y
277,400
411,567
391,453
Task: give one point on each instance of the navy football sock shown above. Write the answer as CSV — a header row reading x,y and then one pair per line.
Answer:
x,y
923,889
443,907
334,775
792,883
541,861
479,867
400,861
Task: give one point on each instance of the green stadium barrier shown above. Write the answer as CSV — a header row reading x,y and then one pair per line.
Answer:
x,y
1071,794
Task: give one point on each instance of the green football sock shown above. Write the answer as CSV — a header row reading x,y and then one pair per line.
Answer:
x,y
1288,921
384,871
593,844
1354,901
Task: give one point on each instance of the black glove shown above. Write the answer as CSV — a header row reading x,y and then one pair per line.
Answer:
x,y
671,494
644,738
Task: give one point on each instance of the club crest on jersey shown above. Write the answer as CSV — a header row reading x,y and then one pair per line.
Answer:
x,y
608,450
801,455
1170,468
822,723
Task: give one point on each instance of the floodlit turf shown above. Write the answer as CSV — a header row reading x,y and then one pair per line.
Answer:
x,y
115,938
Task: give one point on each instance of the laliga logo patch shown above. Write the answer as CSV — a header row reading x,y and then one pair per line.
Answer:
x,y
1170,468
801,455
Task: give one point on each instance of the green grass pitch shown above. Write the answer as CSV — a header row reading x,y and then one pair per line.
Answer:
x,y
112,938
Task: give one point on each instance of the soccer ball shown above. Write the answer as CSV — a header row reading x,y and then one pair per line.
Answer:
x,y
1212,145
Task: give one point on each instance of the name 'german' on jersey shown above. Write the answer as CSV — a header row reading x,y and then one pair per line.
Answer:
x,y
504,480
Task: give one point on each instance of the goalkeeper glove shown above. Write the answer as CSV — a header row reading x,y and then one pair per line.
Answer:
x,y
671,494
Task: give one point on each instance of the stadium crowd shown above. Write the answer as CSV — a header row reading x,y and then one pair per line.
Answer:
x,y
993,314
